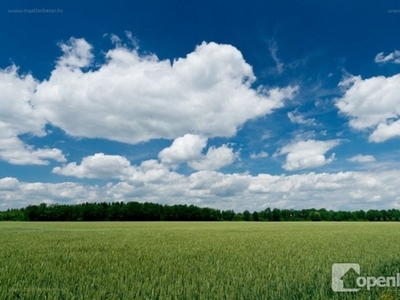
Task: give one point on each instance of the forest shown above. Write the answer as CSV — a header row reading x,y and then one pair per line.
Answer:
x,y
135,211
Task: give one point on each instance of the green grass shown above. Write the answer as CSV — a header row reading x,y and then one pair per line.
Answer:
x,y
219,260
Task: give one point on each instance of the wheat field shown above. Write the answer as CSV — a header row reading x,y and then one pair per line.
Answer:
x,y
196,260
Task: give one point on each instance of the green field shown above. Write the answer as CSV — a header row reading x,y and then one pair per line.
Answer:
x,y
222,260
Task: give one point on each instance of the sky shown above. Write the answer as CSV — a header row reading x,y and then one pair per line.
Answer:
x,y
226,104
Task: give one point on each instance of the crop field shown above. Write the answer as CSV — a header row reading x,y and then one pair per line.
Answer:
x,y
221,260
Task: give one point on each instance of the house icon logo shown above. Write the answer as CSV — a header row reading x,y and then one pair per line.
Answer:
x,y
339,273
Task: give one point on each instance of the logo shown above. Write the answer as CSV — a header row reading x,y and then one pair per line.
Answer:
x,y
339,271
346,278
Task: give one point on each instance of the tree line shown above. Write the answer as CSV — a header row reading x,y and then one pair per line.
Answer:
x,y
135,211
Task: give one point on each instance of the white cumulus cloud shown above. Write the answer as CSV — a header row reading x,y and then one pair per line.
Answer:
x,y
188,149
14,151
105,166
307,154
385,131
154,183
97,166
183,149
18,115
134,98
372,103
77,54
214,159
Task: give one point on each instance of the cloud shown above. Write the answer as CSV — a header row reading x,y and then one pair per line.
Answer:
x,y
14,151
152,171
133,98
97,166
17,111
362,158
261,154
307,154
19,116
214,159
154,183
104,166
8,183
372,104
188,149
77,54
183,149
393,57
14,193
273,49
296,118
386,131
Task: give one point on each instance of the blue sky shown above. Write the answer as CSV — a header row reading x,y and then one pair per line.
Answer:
x,y
239,105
